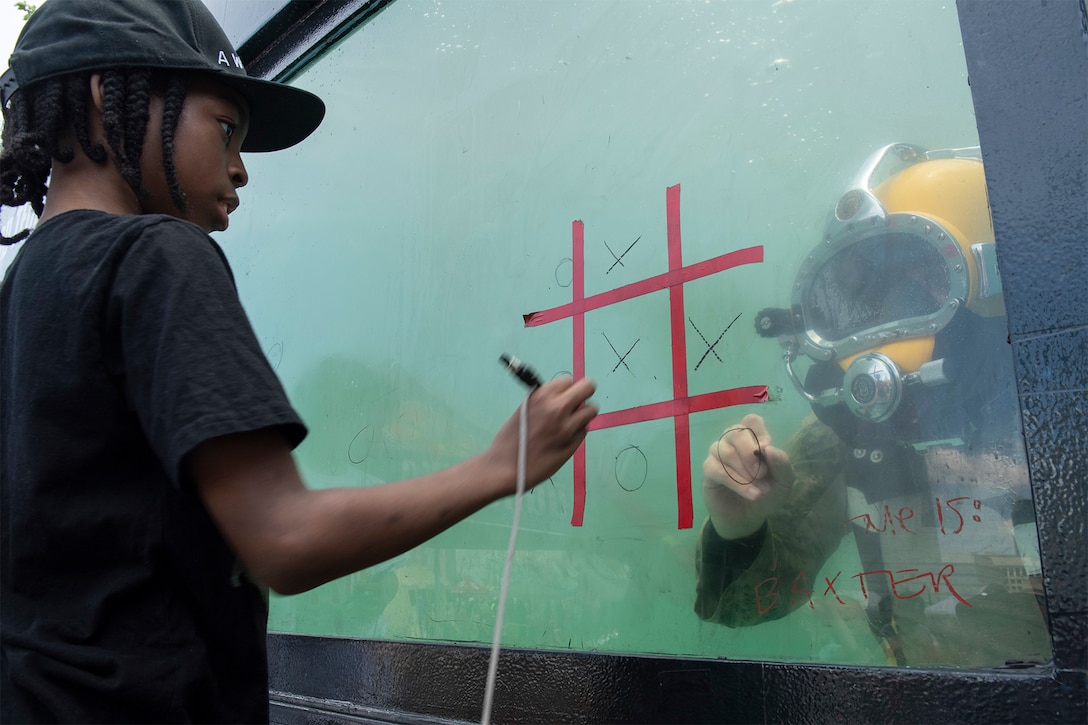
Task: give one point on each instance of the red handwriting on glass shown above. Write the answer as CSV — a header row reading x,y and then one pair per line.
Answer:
x,y
956,521
950,517
767,592
890,522
919,580
904,584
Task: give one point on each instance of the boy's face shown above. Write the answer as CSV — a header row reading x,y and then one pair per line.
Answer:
x,y
207,160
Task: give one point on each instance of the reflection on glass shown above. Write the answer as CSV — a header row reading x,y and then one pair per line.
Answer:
x,y
877,281
434,207
912,450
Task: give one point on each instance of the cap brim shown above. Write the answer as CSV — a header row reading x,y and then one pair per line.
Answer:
x,y
280,116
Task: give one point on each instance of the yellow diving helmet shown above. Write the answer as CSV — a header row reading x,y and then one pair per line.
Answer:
x,y
909,244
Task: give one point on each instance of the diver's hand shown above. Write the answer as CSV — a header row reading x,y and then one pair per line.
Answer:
x,y
739,508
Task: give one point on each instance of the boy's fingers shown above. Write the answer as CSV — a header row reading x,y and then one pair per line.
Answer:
x,y
569,392
584,415
565,402
580,391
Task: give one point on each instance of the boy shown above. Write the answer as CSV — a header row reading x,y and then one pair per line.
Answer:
x,y
147,487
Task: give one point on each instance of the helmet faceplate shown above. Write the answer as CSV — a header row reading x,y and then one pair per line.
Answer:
x,y
882,278
909,244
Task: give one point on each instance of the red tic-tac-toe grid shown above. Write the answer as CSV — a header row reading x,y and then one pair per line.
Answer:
x,y
682,405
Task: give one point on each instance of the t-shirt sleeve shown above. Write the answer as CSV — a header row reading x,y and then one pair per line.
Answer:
x,y
192,367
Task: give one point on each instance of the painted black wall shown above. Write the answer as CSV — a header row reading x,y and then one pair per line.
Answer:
x,y
1028,68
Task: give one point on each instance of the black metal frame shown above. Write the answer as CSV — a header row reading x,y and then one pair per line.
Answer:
x,y
1028,65
302,31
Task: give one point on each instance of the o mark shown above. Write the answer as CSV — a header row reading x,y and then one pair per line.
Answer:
x,y
635,454
275,355
567,267
359,448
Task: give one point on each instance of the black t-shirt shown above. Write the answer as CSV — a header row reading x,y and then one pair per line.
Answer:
x,y
124,346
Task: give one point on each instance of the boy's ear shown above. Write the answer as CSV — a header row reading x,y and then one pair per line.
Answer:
x,y
100,149
97,92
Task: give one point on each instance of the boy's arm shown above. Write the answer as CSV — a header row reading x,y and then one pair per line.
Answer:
x,y
292,538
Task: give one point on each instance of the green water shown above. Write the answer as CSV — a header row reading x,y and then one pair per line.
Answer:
x,y
387,262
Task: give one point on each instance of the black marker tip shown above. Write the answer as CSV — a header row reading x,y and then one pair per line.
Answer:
x,y
522,371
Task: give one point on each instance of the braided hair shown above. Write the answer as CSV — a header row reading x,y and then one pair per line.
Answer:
x,y
37,118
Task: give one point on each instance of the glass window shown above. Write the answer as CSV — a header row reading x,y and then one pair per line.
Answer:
x,y
716,210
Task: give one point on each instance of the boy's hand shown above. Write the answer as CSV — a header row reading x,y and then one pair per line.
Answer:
x,y
558,416
745,479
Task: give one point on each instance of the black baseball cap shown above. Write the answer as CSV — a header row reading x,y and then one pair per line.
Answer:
x,y
72,36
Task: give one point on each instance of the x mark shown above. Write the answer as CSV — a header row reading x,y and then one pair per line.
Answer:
x,y
622,357
619,259
710,346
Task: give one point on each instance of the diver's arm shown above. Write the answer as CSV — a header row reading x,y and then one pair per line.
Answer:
x,y
766,573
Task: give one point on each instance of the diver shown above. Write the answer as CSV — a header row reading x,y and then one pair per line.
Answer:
x,y
913,446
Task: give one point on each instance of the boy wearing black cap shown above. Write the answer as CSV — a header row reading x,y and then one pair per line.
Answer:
x,y
147,488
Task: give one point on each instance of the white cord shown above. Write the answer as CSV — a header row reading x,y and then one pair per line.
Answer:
x,y
493,667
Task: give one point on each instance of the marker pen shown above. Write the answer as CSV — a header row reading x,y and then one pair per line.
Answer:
x,y
523,372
